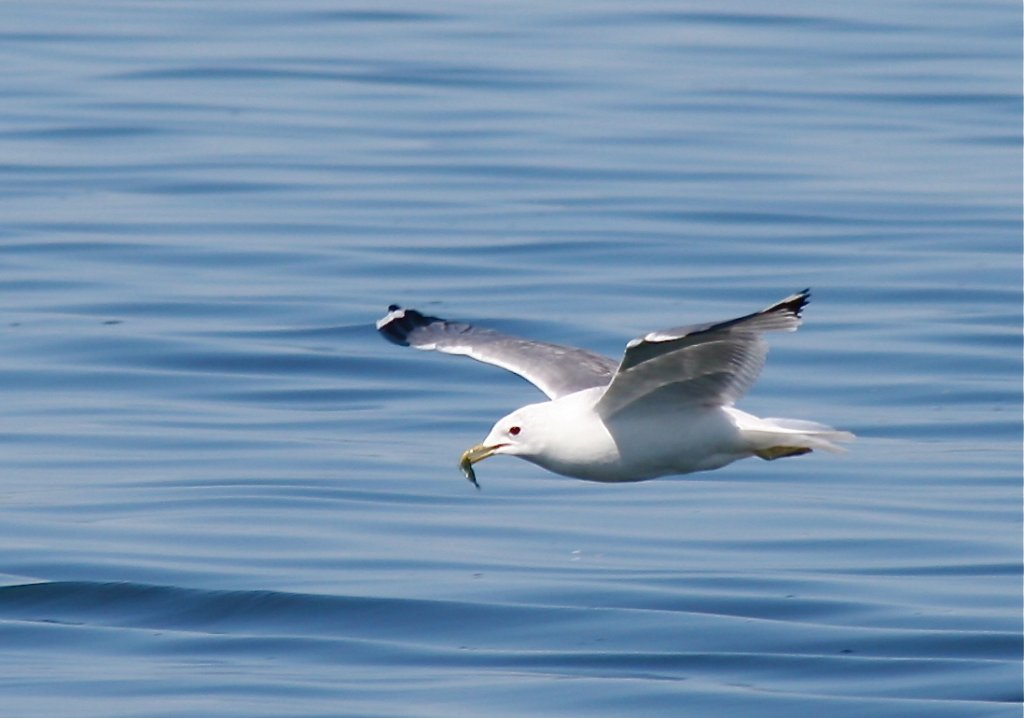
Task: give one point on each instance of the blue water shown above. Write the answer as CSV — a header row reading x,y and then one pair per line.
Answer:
x,y
222,494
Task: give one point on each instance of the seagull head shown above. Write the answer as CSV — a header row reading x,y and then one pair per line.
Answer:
x,y
521,433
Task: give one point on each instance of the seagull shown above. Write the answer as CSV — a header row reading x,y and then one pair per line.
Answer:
x,y
667,407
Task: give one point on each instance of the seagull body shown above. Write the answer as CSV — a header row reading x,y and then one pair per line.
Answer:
x,y
568,437
665,408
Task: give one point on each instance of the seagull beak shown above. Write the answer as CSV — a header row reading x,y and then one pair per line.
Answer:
x,y
474,454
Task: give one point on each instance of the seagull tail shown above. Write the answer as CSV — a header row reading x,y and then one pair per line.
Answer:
x,y
773,438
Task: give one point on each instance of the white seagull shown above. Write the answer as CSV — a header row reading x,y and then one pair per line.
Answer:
x,y
665,408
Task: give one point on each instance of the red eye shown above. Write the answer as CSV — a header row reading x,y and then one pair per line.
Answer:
x,y
514,431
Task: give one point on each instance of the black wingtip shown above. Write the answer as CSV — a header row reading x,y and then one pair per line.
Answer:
x,y
796,303
395,325
398,323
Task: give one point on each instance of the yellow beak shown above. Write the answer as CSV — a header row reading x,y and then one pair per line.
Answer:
x,y
472,455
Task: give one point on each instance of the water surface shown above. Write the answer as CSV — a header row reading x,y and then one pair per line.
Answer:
x,y
224,494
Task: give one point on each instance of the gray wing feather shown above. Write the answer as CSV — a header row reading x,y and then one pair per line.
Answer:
x,y
554,369
713,363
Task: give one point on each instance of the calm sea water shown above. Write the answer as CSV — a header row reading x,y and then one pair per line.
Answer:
x,y
222,494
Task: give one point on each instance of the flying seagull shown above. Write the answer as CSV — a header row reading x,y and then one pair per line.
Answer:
x,y
665,408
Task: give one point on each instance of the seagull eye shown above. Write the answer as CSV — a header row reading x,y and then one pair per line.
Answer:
x,y
514,431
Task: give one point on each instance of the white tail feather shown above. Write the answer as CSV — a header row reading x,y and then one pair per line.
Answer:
x,y
774,432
